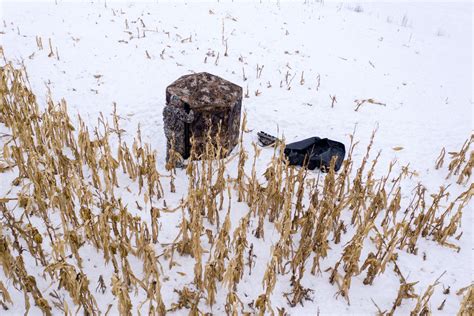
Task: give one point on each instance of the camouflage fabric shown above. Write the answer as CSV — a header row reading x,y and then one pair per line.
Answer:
x,y
216,103
175,118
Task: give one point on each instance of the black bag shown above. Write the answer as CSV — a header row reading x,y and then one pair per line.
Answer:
x,y
316,152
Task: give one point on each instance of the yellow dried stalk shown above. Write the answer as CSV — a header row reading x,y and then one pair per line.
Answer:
x,y
14,269
424,220
406,291
439,230
120,290
262,303
300,293
376,263
274,176
4,296
253,187
458,158
184,245
216,268
392,209
282,249
241,164
327,218
306,242
440,159
54,183
299,259
187,299
467,304
152,278
358,192
466,172
233,303
421,307
269,281
350,258
7,260
235,268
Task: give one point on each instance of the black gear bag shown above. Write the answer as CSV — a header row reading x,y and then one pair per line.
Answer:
x,y
316,152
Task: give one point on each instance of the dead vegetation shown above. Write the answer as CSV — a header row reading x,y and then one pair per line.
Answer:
x,y
67,199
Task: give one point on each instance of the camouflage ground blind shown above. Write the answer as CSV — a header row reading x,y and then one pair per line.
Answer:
x,y
205,101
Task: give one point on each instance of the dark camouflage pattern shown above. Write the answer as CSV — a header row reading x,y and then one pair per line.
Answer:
x,y
213,101
175,118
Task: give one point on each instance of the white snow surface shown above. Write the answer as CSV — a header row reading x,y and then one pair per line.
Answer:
x,y
415,57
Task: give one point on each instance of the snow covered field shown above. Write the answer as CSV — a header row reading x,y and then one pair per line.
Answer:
x,y
303,65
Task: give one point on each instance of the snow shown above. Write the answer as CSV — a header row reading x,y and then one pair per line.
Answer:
x,y
414,57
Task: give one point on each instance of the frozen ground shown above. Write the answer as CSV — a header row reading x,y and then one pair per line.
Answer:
x,y
414,57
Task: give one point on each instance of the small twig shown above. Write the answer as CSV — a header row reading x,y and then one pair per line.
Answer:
x,y
360,102
51,54
302,78
333,100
